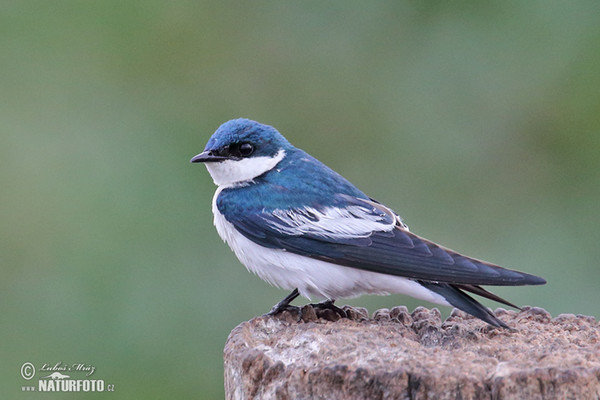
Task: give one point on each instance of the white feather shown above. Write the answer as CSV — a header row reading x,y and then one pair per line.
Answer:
x,y
231,172
333,222
313,278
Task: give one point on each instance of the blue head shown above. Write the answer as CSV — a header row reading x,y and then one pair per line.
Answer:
x,y
243,138
242,149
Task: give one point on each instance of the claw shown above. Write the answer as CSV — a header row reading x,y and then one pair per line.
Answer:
x,y
285,304
328,305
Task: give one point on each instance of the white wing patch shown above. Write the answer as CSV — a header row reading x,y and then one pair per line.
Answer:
x,y
355,221
331,222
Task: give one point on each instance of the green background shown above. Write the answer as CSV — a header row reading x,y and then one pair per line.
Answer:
x,y
478,123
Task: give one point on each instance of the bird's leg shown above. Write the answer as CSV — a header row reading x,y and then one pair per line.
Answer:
x,y
328,305
285,303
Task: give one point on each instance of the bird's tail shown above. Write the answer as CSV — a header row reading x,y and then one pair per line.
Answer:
x,y
461,300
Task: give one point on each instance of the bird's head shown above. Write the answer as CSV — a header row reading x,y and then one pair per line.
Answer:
x,y
242,149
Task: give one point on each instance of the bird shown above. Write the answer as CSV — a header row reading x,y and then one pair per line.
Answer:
x,y
301,226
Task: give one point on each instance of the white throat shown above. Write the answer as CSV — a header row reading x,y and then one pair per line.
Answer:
x,y
231,172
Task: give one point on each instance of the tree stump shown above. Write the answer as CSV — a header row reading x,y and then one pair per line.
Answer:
x,y
401,355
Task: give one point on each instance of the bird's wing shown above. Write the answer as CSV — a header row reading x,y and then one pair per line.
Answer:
x,y
367,235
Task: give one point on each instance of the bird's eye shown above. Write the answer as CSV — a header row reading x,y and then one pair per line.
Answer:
x,y
246,149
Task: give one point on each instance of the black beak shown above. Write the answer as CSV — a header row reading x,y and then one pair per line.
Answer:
x,y
208,156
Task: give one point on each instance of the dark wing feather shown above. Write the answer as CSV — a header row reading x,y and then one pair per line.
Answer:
x,y
381,245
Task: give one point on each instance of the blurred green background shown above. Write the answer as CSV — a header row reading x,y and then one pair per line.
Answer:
x,y
478,122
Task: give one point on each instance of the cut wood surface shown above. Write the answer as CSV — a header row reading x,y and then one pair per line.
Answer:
x,y
400,355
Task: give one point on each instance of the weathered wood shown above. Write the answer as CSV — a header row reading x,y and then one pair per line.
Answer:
x,y
401,355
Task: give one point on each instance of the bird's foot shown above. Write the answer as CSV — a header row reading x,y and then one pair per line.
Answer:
x,y
325,309
324,306
285,304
